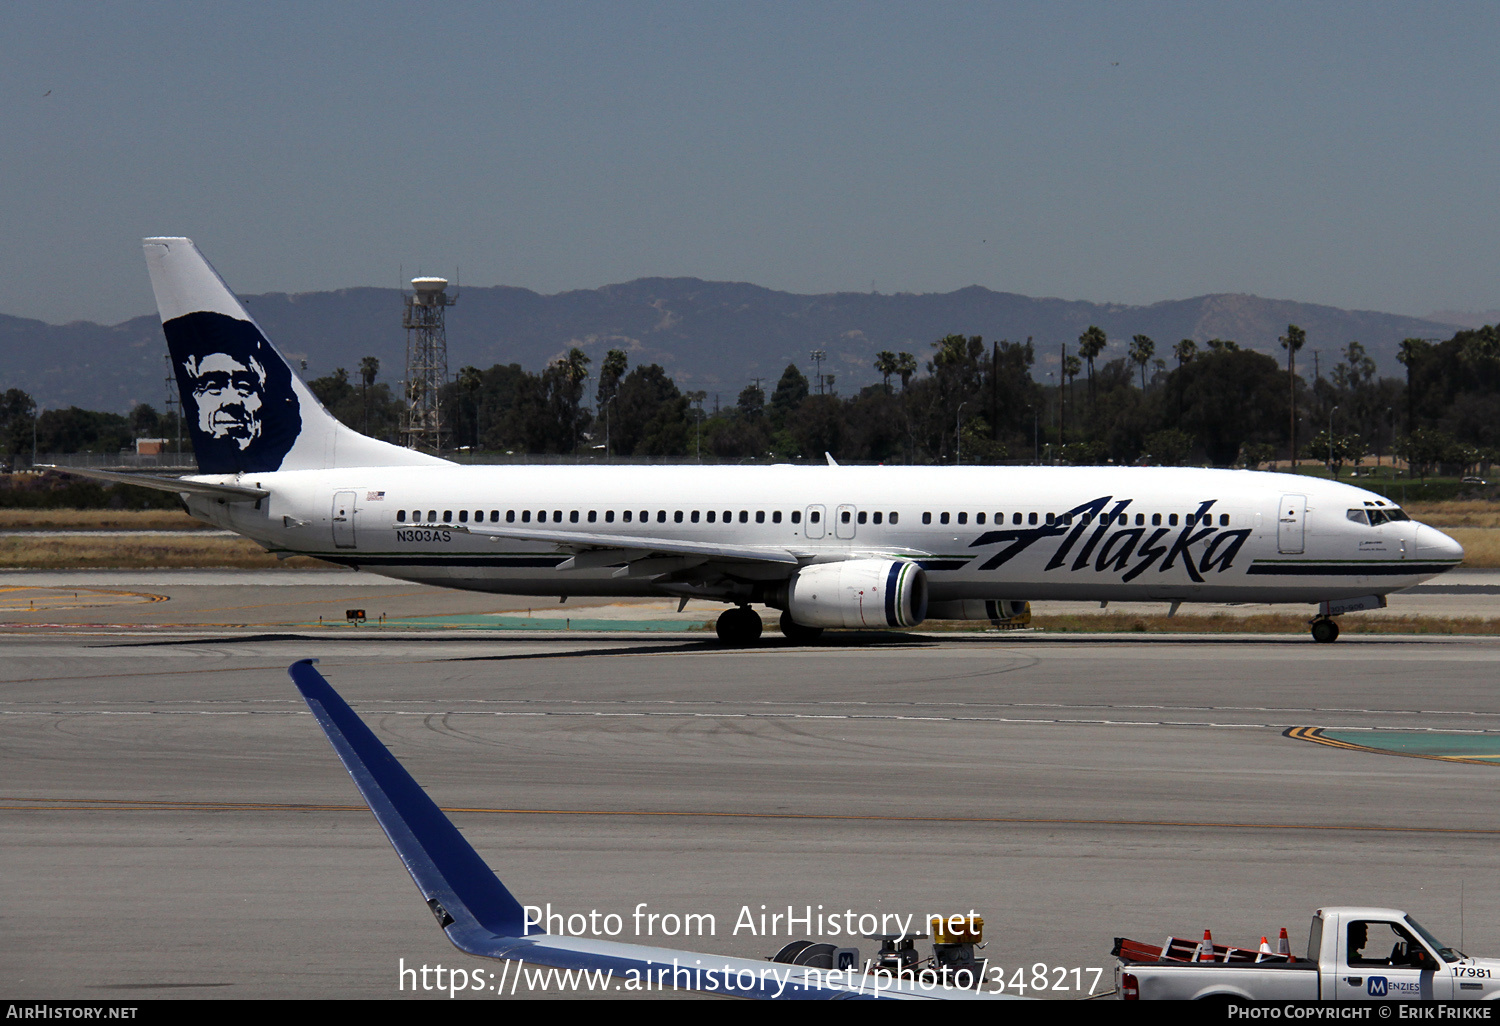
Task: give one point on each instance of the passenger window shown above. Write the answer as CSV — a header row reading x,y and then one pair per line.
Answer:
x,y
479,516
877,517
942,518
1140,520
744,516
978,518
463,516
863,516
694,517
926,518
711,515
557,516
495,516
844,516
814,517
728,515
796,516
447,516
1068,519
1223,519
1050,519
431,515
677,517
627,516
775,516
760,516
1172,520
400,516
1156,520
661,516
895,517
963,518
1032,518
541,516
593,515
645,515
573,516
1188,519
609,516
525,516
510,516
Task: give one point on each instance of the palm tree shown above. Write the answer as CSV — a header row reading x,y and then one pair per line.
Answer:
x,y
1185,351
1294,339
1411,351
906,366
1141,351
368,368
1090,344
886,363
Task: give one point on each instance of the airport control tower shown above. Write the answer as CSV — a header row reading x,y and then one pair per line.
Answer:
x,y
426,362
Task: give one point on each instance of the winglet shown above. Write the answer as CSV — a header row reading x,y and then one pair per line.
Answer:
x,y
463,893
831,461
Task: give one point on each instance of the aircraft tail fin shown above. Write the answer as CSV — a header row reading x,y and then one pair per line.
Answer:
x,y
463,893
244,408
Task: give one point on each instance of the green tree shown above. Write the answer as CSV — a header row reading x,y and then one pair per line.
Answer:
x,y
1294,339
790,391
886,363
1090,344
1141,351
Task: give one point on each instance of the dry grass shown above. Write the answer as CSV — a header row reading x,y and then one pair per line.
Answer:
x,y
1458,513
143,553
1224,623
99,520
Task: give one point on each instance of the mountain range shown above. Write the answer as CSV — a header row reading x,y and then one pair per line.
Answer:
x,y
715,336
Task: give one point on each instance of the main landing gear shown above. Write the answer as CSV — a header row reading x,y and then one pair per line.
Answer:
x,y
1325,629
738,627
798,634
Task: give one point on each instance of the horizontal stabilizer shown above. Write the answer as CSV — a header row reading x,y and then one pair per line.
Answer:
x,y
180,485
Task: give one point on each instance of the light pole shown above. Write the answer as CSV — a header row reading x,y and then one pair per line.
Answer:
x,y
607,403
1331,471
818,356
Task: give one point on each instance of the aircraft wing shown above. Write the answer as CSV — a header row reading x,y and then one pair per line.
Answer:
x,y
481,917
230,493
629,547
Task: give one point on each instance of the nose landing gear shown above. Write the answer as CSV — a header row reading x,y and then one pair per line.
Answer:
x,y
1325,629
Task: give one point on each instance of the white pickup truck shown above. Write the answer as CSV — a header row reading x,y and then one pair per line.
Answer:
x,y
1353,954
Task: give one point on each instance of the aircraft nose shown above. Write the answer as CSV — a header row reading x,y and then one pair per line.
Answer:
x,y
1434,544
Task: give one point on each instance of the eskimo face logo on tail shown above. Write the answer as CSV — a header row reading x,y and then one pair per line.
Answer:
x,y
236,393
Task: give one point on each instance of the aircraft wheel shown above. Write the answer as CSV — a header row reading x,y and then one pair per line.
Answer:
x,y
798,634
1325,631
738,627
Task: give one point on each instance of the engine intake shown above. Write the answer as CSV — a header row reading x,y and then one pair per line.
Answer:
x,y
859,593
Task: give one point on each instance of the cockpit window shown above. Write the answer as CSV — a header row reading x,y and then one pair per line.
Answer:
x,y
1358,516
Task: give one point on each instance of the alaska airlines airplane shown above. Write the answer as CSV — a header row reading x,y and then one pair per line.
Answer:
x,y
828,546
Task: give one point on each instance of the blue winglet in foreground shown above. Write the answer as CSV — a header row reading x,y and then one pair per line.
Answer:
x,y
481,917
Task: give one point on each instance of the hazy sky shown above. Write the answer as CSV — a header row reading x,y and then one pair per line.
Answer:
x,y
1130,152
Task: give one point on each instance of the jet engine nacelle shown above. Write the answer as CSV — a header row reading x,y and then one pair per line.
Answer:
x,y
859,593
1000,612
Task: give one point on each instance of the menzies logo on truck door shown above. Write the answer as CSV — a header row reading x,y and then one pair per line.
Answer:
x,y
1101,538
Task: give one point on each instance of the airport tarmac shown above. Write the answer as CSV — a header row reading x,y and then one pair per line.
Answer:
x,y
175,824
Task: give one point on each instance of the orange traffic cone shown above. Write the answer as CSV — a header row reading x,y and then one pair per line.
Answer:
x,y
1205,951
1284,946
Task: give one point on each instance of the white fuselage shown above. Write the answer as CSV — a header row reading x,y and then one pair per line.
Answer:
x,y
1017,533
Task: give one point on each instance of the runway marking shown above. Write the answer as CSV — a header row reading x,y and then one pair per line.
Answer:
x,y
162,805
1395,743
29,598
741,715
